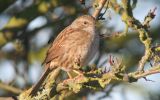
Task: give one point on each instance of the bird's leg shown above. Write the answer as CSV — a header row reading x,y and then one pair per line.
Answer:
x,y
78,72
76,69
74,73
69,75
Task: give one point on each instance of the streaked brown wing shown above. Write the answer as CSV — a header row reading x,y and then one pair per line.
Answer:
x,y
55,49
66,43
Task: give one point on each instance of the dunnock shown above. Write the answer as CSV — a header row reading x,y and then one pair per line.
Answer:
x,y
73,48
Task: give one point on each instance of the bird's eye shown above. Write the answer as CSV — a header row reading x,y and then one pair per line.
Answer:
x,y
85,22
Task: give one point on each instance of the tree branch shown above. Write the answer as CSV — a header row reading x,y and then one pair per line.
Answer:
x,y
98,8
144,34
10,88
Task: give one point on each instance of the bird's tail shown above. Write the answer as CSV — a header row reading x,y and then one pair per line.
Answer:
x,y
48,71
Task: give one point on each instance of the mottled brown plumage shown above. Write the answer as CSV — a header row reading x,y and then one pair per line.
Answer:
x,y
74,47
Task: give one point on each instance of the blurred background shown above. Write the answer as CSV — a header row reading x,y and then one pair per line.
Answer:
x,y
27,27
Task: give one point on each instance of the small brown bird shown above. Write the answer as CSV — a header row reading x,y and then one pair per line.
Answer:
x,y
74,47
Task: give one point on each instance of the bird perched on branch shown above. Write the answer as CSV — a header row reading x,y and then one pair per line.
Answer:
x,y
73,48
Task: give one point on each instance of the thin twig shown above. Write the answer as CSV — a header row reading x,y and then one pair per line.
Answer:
x,y
98,9
153,70
10,88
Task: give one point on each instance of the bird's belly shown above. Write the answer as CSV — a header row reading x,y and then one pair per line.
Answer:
x,y
92,51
